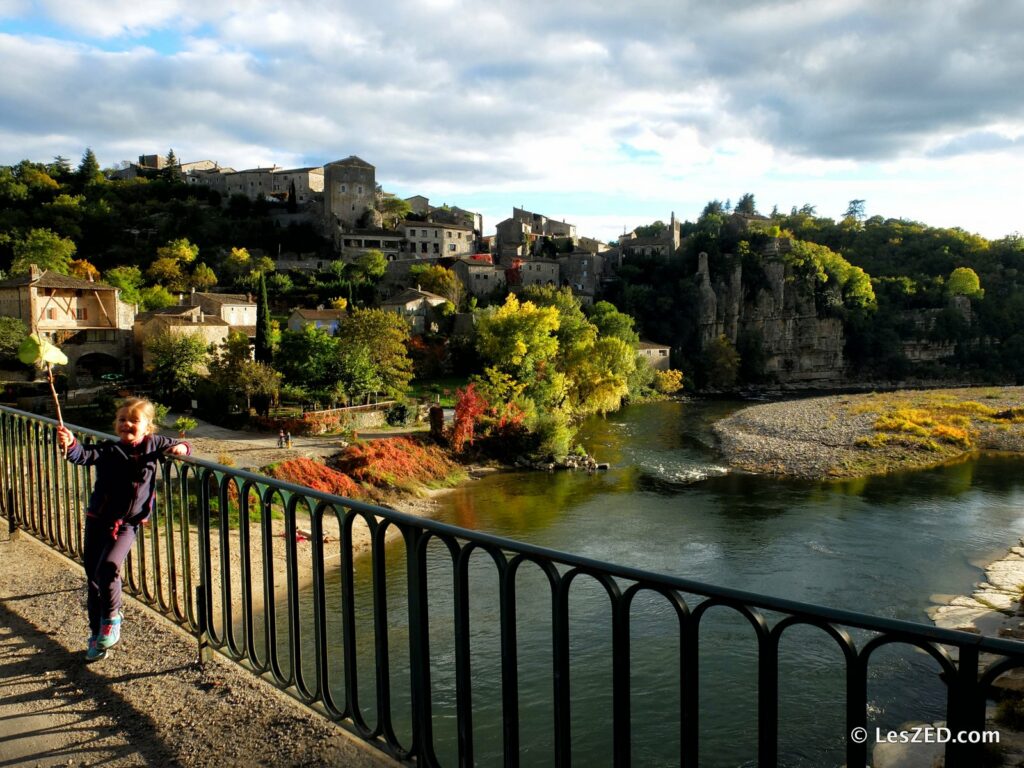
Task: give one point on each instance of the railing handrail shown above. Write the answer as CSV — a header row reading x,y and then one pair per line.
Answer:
x,y
768,602
967,683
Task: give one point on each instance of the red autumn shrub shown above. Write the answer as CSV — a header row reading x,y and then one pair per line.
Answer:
x,y
469,406
398,461
315,475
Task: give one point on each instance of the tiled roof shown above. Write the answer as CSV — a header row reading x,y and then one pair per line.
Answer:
x,y
50,279
224,298
320,314
411,294
652,345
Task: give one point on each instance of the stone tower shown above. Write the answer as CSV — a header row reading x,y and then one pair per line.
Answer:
x,y
350,190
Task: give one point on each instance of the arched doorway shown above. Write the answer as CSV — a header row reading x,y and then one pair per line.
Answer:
x,y
89,368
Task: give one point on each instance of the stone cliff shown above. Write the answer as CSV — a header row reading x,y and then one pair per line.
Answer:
x,y
799,346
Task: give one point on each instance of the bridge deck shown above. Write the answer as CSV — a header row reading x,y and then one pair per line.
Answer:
x,y
148,703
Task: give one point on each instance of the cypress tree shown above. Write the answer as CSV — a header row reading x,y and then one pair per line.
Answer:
x,y
264,350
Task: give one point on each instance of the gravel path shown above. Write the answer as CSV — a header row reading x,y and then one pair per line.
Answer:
x,y
817,437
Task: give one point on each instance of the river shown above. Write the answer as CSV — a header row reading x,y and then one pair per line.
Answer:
x,y
884,545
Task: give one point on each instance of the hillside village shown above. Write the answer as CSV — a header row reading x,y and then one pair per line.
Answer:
x,y
734,300
103,334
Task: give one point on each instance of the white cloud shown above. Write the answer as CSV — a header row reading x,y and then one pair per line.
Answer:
x,y
671,103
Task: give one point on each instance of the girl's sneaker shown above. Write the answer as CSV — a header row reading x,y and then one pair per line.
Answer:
x,y
94,653
110,633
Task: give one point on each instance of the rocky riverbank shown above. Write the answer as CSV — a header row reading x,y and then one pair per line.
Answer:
x,y
839,436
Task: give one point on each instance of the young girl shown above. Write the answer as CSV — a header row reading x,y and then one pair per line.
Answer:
x,y
122,500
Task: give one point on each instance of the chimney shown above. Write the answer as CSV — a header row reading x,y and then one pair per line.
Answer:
x,y
34,273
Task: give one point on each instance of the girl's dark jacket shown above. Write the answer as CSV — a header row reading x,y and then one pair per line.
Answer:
x,y
125,477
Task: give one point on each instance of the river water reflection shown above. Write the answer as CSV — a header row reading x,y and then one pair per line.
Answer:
x,y
883,546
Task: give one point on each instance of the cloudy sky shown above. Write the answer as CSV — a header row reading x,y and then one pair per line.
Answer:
x,y
608,115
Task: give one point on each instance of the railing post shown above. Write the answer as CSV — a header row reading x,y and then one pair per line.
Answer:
x,y
419,646
12,524
203,650
966,710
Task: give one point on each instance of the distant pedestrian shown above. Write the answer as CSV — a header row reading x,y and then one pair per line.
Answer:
x,y
121,501
280,438
288,439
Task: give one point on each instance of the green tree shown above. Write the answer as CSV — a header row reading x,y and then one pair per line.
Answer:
x,y
175,363
128,279
279,283
171,161
155,297
721,363
855,210
372,265
293,203
611,322
382,337
89,169
167,271
746,205
517,343
308,358
436,279
393,211
600,378
12,332
964,281
264,344
180,250
45,249
203,278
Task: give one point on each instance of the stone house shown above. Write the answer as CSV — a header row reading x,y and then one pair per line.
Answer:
x,y
658,355
328,319
254,183
308,183
542,226
236,309
181,320
88,320
582,271
419,204
479,278
512,241
662,246
356,242
416,306
350,194
425,239
540,272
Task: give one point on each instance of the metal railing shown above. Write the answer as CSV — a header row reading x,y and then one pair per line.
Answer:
x,y
228,557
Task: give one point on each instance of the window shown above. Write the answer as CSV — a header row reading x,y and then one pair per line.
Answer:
x,y
663,352
51,314
451,246
81,313
342,187
360,189
449,235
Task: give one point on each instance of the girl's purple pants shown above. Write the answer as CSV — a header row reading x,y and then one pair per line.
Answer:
x,y
104,556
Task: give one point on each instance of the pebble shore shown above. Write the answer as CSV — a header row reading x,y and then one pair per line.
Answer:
x,y
816,437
